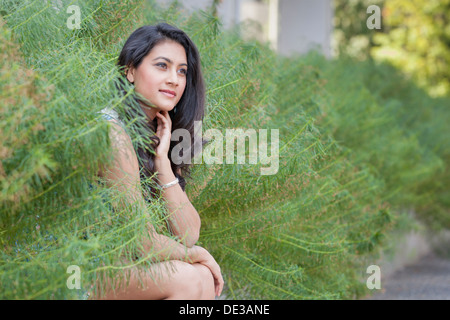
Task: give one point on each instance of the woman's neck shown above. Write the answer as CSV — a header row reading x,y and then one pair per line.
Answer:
x,y
149,111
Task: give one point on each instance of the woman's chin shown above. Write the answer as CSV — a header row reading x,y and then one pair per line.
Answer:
x,y
166,108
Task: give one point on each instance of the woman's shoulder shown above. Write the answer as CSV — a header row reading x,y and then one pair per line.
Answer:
x,y
119,134
125,159
111,115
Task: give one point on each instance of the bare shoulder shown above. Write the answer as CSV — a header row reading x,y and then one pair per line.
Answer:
x,y
117,134
125,160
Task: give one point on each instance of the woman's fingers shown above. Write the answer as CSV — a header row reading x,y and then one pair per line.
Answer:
x,y
165,118
200,255
163,132
218,280
217,274
219,284
161,119
164,126
164,122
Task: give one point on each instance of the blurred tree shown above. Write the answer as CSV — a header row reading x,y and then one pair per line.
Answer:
x,y
417,40
414,36
351,35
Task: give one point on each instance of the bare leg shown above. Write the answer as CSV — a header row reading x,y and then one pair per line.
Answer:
x,y
203,283
175,280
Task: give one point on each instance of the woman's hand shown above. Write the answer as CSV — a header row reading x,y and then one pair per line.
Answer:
x,y
164,133
202,256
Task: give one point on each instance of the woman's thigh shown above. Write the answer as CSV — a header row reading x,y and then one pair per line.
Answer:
x,y
164,280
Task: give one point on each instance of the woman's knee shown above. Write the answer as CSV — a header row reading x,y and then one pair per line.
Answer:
x,y
206,281
187,282
194,282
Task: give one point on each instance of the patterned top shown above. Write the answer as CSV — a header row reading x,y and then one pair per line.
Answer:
x,y
109,114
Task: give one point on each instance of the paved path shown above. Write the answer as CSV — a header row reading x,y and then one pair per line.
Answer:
x,y
429,279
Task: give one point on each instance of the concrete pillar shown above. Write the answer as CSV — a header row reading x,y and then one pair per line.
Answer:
x,y
290,26
304,25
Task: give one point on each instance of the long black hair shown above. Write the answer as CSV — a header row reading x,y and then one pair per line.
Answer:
x,y
191,106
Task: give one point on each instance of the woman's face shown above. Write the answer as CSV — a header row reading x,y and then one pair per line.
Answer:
x,y
161,77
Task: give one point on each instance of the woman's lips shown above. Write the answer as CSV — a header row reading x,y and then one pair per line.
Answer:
x,y
168,93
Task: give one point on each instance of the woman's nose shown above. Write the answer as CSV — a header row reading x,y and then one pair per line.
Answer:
x,y
172,78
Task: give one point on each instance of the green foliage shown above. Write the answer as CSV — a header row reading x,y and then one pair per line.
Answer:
x,y
415,37
350,33
418,41
302,233
297,234
53,211
396,128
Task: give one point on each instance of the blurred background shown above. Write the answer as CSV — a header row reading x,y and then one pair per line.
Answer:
x,y
361,100
413,35
289,26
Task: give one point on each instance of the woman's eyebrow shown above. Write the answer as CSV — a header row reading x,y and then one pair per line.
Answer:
x,y
169,61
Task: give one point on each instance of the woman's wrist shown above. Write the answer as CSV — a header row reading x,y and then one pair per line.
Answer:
x,y
162,163
164,169
162,159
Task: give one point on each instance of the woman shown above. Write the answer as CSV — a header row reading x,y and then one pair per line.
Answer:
x,y
163,65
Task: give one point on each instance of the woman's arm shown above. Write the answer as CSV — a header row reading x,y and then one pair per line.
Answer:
x,y
183,219
124,176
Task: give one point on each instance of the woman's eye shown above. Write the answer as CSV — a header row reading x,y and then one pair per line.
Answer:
x,y
161,65
183,71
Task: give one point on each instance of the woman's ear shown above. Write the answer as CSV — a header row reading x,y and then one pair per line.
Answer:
x,y
130,74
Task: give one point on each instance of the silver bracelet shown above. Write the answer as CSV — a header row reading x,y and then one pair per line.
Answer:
x,y
170,184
